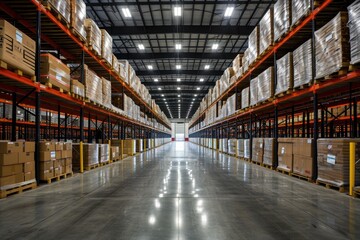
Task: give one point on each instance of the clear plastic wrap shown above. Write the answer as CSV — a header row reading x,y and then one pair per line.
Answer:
x,y
269,151
236,64
333,160
104,155
55,72
106,46
114,152
282,18
254,91
300,9
265,85
266,31
240,147
245,60
93,36
77,88
106,92
332,49
354,29
91,154
247,148
245,98
60,6
123,70
258,150
232,146
253,45
302,62
284,73
78,16
231,104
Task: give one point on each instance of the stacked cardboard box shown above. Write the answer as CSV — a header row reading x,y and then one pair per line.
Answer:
x,y
55,159
354,29
303,156
266,31
129,146
284,73
236,64
245,98
93,34
16,163
302,61
269,151
282,18
60,6
77,88
139,145
55,72
258,150
106,92
285,154
123,70
300,9
232,146
253,45
114,153
266,85
17,49
91,154
332,50
231,104
333,160
254,91
240,147
78,16
245,61
104,154
106,46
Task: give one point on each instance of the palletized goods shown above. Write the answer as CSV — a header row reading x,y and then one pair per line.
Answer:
x,y
302,61
282,18
266,31
284,73
354,29
93,36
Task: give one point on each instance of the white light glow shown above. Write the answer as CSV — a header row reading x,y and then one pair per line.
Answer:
x,y
126,12
177,11
229,11
150,67
152,220
207,67
159,88
215,46
141,46
178,88
178,67
178,79
201,79
197,88
178,46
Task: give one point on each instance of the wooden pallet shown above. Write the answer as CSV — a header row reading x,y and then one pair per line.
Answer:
x,y
78,35
282,94
104,163
283,171
305,178
354,67
109,65
342,72
77,96
16,70
17,189
341,189
264,102
57,14
303,86
269,167
116,159
90,167
266,51
90,47
50,85
257,163
301,19
58,178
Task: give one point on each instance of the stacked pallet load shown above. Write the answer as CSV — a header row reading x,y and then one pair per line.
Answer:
x,y
253,45
104,154
258,150
282,18
61,7
285,155
231,105
115,64
17,50
54,73
106,93
302,63
139,145
245,98
354,29
90,157
17,167
236,65
240,148
269,152
114,153
77,88
285,74
123,70
266,31
232,146
265,85
247,148
129,146
300,9
93,36
78,16
254,83
245,61
333,161
106,47
303,158
332,50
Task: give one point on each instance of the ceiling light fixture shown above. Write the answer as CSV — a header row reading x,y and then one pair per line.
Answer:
x,y
162,95
207,67
150,67
195,95
177,11
197,88
178,46
201,79
126,12
178,80
178,67
156,80
229,11
215,46
141,46
159,88
178,88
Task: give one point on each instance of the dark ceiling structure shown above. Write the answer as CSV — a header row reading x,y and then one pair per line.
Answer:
x,y
178,48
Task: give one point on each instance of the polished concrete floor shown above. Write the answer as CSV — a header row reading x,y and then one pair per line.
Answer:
x,y
180,191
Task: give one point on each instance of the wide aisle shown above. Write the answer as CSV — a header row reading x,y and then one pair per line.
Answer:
x,y
180,191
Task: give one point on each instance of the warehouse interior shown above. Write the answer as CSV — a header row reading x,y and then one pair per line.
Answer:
x,y
207,119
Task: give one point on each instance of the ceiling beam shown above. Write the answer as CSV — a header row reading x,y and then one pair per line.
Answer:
x,y
175,55
179,72
143,30
184,2
161,84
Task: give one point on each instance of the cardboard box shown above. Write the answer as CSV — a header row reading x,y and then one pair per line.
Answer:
x,y
303,165
285,154
68,169
48,165
59,146
9,158
303,146
29,176
11,170
67,154
26,157
55,72
67,146
47,146
10,147
19,177
4,181
29,147
29,167
45,175
57,171
58,154
68,161
47,156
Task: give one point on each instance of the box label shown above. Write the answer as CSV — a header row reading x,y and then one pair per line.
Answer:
x,y
52,154
283,150
19,36
331,159
329,37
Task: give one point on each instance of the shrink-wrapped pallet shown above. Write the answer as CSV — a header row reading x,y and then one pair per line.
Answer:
x,y
247,148
93,36
332,50
302,62
245,60
90,154
257,150
123,70
282,18
269,151
240,147
354,29
254,91
106,92
265,85
266,31
253,45
245,98
54,72
232,146
285,74
106,46
114,153
231,104
104,155
236,64
62,7
299,10
333,161
78,16
77,88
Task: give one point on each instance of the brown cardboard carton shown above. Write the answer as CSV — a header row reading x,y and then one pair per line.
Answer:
x,y
26,157
59,146
4,181
47,156
10,147
67,146
47,146
29,176
29,147
68,161
53,71
46,166
303,146
285,154
68,169
258,150
57,171
9,158
19,177
11,170
67,154
303,165
45,175
58,154
29,167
